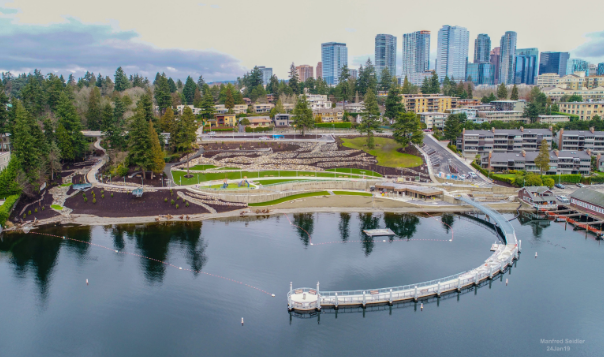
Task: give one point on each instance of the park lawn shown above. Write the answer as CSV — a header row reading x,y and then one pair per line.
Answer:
x,y
202,167
289,198
231,185
356,171
228,168
57,207
349,193
270,182
385,152
66,184
238,175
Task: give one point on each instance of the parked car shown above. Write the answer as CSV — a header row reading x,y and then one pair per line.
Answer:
x,y
264,138
472,175
563,199
580,185
560,186
212,133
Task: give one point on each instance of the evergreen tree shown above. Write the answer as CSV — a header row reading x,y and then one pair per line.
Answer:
x,y
106,117
344,74
502,91
229,102
9,184
114,132
491,98
514,95
168,121
93,115
197,98
23,140
406,86
434,84
54,159
71,143
162,94
273,85
542,159
452,128
184,132
303,117
394,103
426,88
140,152
201,83
172,85
470,90
189,90
370,118
407,129
294,81
157,155
385,79
207,105
121,80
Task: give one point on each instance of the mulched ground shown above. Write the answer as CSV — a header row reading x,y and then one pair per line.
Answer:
x,y
126,205
41,214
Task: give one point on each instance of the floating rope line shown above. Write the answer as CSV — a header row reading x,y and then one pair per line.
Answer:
x,y
155,260
451,228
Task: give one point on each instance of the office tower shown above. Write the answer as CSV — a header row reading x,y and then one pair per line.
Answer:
x,y
385,54
526,65
416,55
304,72
267,73
600,70
553,62
593,69
334,56
354,73
482,49
575,65
481,73
319,70
495,57
452,52
507,60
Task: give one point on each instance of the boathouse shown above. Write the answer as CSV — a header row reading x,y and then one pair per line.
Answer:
x,y
588,200
415,191
538,197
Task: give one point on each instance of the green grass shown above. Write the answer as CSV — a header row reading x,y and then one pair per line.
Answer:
x,y
505,175
231,185
57,207
228,168
237,175
597,173
67,184
384,151
289,198
356,171
352,193
269,182
202,167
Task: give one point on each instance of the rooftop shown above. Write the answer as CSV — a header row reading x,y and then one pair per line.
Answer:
x,y
589,196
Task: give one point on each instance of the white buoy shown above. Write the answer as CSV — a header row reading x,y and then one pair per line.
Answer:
x,y
242,321
311,244
535,254
421,307
506,282
116,251
384,241
273,295
86,281
180,268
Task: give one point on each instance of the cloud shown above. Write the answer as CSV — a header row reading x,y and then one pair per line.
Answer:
x,y
593,48
357,61
200,4
350,29
74,47
7,11
215,6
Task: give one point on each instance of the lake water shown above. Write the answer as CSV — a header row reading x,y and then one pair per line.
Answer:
x,y
134,306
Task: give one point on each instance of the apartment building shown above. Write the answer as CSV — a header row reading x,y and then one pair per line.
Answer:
x,y
585,110
561,162
262,108
580,140
433,120
423,103
555,93
472,142
237,109
328,115
503,115
317,101
548,80
552,119
509,105
304,72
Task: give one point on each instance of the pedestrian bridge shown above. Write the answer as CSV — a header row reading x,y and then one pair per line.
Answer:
x,y
311,299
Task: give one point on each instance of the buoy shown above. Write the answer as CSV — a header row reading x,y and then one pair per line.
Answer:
x,y
242,321
86,281
421,307
506,282
273,295
116,251
180,268
535,254
384,241
311,244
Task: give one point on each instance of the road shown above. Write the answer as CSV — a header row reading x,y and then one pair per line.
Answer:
x,y
441,158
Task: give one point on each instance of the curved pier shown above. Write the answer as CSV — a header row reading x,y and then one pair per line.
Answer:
x,y
309,299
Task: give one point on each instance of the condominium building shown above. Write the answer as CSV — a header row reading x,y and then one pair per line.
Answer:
x,y
334,56
561,162
555,93
577,65
237,109
319,70
385,54
416,56
548,80
495,58
481,73
553,62
585,110
594,82
433,120
578,140
267,73
482,49
600,70
552,119
452,52
503,115
422,103
472,142
507,67
304,72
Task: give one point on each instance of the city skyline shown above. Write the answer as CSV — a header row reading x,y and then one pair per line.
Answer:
x,y
113,38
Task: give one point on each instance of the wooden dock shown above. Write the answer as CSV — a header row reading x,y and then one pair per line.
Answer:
x,y
378,232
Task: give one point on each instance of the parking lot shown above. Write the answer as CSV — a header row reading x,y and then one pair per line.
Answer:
x,y
444,161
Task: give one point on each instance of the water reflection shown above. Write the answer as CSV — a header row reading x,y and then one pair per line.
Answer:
x,y
536,221
305,223
368,222
344,226
447,220
403,225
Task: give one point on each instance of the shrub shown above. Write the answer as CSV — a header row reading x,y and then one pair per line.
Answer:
x,y
186,204
36,210
29,213
171,202
42,208
111,194
102,196
177,206
548,181
94,200
533,180
165,200
85,199
345,125
24,215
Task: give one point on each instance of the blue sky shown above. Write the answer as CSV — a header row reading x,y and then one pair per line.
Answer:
x,y
222,39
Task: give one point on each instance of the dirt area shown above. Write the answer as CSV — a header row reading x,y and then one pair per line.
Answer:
x,y
47,212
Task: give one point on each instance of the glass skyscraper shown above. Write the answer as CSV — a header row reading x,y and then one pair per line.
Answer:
x,y
482,49
526,65
553,62
267,73
385,54
508,57
600,71
575,65
481,73
334,56
416,55
452,52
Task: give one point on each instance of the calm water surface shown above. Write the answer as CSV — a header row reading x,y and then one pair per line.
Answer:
x,y
138,307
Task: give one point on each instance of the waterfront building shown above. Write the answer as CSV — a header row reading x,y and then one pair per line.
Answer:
x,y
577,65
481,73
584,110
495,58
319,70
472,142
385,54
304,72
334,56
452,52
416,56
507,69
561,162
578,140
482,49
553,62
267,73
588,200
331,115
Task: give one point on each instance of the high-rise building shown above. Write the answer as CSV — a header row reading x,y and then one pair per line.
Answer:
x,y
354,73
416,55
507,60
452,52
577,65
304,72
267,73
600,70
553,62
482,49
593,69
385,54
334,56
495,57
319,70
526,65
481,73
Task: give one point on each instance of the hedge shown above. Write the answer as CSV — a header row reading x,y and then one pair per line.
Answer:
x,y
576,178
345,125
6,207
259,129
218,129
453,148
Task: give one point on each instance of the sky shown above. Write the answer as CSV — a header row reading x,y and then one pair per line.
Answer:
x,y
223,39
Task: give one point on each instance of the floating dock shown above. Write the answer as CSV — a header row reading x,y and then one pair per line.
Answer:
x,y
312,299
378,232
